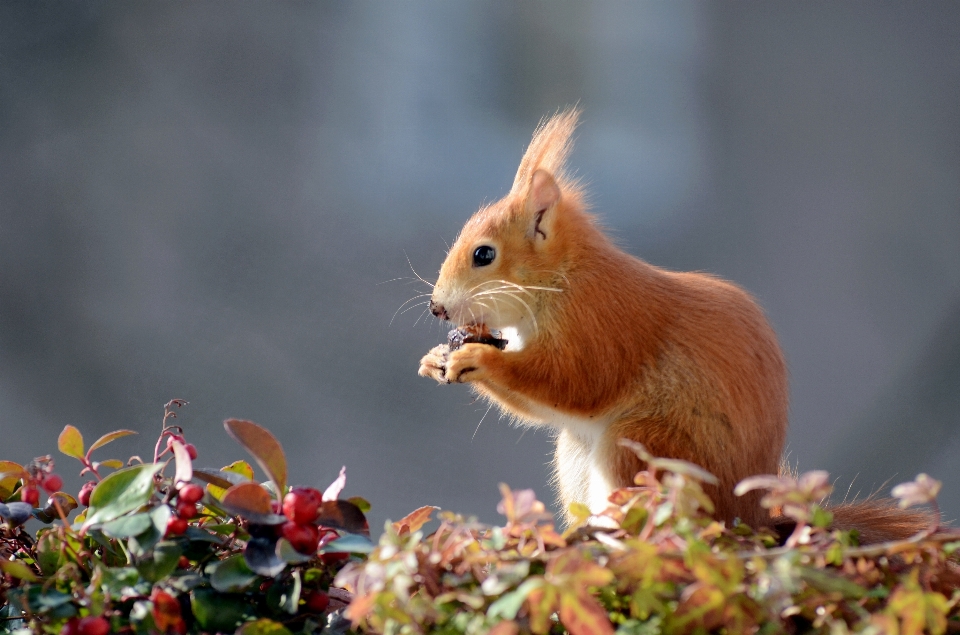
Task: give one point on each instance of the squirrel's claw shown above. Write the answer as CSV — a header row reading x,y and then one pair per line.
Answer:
x,y
467,363
434,363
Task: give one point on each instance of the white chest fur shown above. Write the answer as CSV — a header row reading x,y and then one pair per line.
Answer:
x,y
581,464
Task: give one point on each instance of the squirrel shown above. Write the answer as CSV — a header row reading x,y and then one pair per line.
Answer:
x,y
602,346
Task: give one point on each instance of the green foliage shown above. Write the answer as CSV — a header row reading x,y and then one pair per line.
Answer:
x,y
146,558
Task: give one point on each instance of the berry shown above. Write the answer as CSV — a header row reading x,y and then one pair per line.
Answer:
x,y
190,493
52,483
192,451
304,538
315,601
71,627
94,626
30,495
183,562
334,557
85,493
301,505
186,511
176,526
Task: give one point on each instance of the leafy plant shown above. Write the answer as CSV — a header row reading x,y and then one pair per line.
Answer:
x,y
655,562
155,552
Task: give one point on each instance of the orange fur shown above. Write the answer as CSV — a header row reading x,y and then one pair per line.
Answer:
x,y
612,347
606,346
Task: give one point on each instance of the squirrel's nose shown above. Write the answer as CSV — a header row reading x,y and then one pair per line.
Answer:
x,y
437,309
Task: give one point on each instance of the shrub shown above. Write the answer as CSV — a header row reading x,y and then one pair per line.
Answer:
x,y
155,552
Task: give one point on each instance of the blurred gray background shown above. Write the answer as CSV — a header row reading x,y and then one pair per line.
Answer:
x,y
204,201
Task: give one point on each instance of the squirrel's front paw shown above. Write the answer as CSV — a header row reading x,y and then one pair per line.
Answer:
x,y
434,363
469,362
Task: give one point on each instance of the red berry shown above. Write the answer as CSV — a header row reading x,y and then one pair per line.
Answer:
x,y
71,627
30,495
334,557
94,626
183,562
85,493
192,451
176,526
186,511
265,586
52,483
301,505
304,538
190,493
315,601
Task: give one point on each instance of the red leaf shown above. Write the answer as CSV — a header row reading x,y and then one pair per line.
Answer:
x,y
343,515
166,611
264,447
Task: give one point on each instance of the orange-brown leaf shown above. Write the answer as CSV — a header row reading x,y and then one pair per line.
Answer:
x,y
414,520
264,447
583,615
248,500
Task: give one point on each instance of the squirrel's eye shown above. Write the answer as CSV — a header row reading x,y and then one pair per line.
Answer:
x,y
484,255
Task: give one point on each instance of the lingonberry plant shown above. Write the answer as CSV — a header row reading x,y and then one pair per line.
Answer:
x,y
154,551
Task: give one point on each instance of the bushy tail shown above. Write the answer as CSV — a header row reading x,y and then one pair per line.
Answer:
x,y
881,520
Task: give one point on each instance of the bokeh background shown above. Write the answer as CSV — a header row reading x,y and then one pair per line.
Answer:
x,y
207,201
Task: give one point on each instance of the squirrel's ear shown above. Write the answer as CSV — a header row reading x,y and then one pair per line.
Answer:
x,y
543,195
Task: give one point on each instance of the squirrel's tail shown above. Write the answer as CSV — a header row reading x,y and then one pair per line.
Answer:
x,y
875,519
882,520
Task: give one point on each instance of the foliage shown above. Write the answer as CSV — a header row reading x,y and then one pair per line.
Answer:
x,y
153,552
655,562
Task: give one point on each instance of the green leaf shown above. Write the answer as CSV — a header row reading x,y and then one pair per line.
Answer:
x,y
108,437
115,464
351,543
48,552
162,563
122,582
508,605
231,575
141,544
264,447
288,554
18,570
215,611
127,526
49,512
71,442
122,492
263,626
289,598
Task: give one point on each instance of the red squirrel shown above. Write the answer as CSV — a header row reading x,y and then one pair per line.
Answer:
x,y
601,346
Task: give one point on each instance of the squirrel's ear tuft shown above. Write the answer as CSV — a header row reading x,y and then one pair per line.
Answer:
x,y
542,197
548,150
